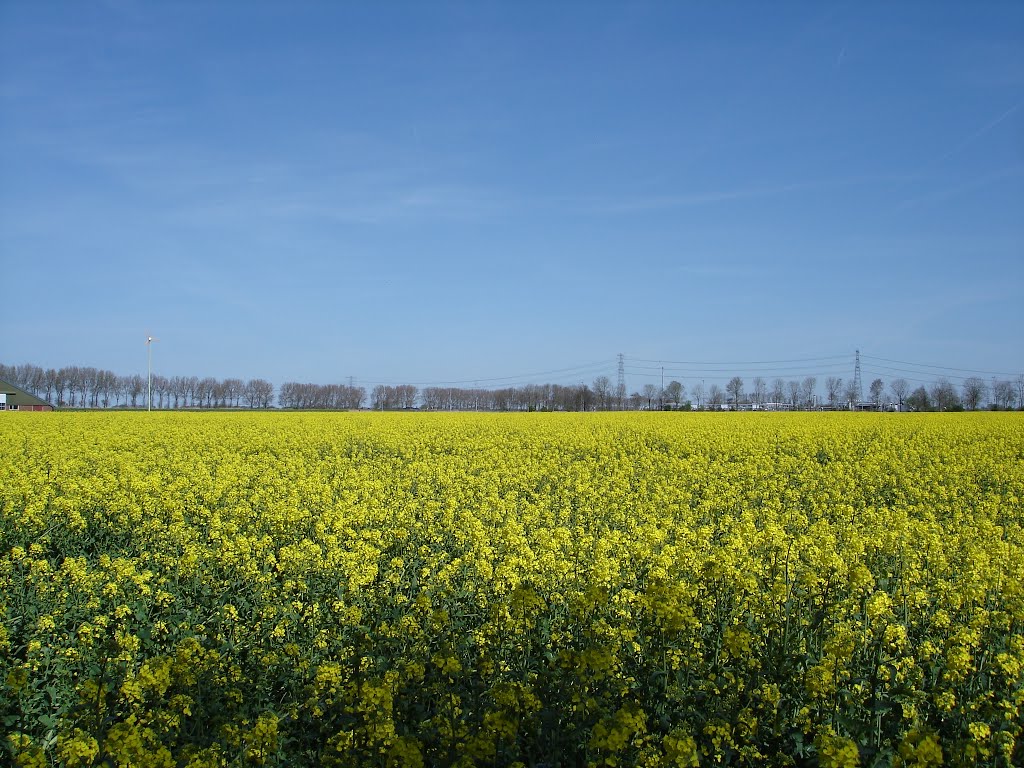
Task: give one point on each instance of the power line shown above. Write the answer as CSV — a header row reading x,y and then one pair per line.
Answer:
x,y
732,369
572,371
939,367
880,374
741,362
823,366
655,373
940,375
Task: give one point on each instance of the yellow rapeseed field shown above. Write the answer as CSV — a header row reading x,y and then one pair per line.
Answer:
x,y
511,590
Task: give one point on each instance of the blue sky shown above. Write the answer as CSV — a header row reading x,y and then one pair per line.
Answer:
x,y
465,191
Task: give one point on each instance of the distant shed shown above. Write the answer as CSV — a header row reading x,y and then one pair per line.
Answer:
x,y
14,399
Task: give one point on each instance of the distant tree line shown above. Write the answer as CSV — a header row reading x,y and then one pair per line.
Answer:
x,y
529,397
322,396
84,387
974,393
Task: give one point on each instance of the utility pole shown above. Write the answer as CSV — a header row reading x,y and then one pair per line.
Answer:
x,y
661,395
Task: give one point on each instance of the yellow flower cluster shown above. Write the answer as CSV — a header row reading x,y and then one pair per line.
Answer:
x,y
512,590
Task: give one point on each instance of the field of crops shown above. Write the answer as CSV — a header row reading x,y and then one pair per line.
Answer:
x,y
525,589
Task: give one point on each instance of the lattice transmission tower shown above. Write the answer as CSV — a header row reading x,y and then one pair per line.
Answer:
x,y
858,387
620,385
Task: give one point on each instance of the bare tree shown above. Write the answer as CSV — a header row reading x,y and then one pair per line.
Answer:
x,y
850,395
620,395
899,389
602,393
760,391
259,393
699,394
735,390
716,397
108,387
918,400
807,391
944,396
220,397
876,389
233,391
778,394
1003,394
266,390
136,386
584,399
387,397
288,395
406,395
72,377
435,398
193,391
162,387
833,387
121,387
176,386
207,391
50,383
674,393
89,386
794,393
974,391
82,379
29,377
356,396
650,393
60,383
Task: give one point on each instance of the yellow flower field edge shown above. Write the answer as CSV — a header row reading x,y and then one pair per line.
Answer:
x,y
512,590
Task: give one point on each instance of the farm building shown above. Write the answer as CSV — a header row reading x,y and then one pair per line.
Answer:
x,y
14,399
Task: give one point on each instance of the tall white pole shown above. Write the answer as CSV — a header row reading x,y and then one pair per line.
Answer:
x,y
149,373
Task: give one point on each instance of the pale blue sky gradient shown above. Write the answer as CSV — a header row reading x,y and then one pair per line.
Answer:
x,y
458,191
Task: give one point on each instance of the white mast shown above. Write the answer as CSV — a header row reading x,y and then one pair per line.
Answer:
x,y
149,372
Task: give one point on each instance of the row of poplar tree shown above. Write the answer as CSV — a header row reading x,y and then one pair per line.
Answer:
x,y
86,387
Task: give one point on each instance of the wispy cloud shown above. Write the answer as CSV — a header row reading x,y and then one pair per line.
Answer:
x,y
956,190
352,178
349,203
689,200
717,269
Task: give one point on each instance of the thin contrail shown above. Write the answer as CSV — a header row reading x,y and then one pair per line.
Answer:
x,y
976,183
840,57
954,150
976,135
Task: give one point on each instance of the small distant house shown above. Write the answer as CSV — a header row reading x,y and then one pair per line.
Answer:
x,y
14,399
